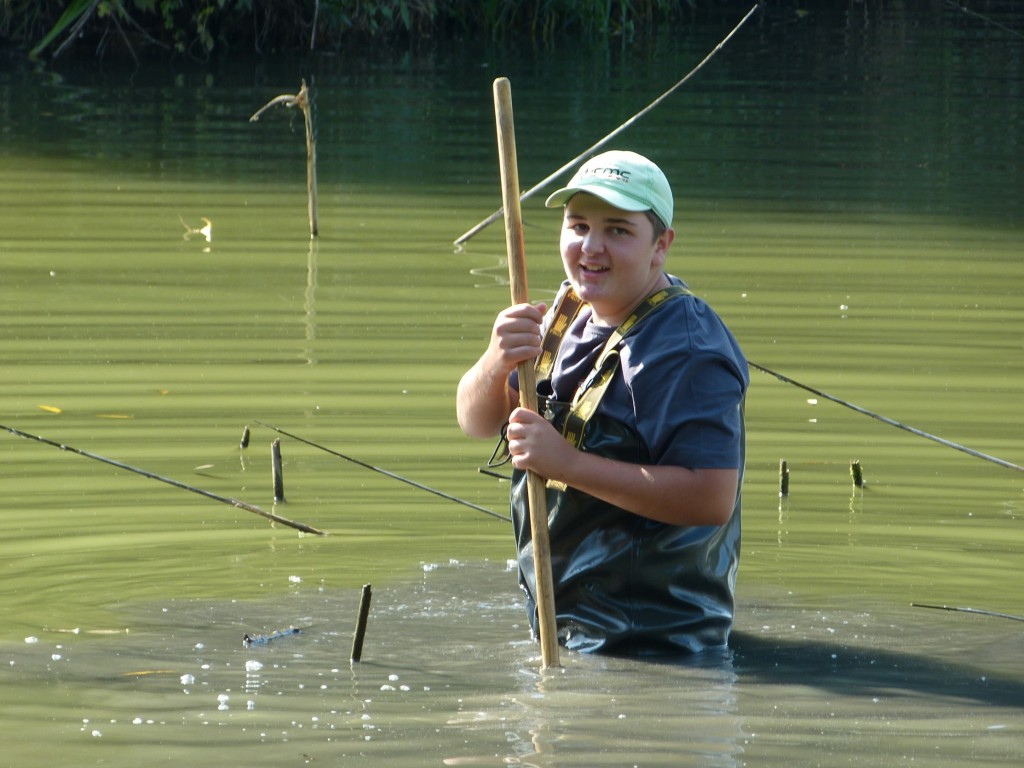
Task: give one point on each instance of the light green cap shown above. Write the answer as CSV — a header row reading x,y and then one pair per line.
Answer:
x,y
624,179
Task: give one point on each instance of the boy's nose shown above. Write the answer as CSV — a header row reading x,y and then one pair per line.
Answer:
x,y
592,242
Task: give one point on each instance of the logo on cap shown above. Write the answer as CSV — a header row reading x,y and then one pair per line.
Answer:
x,y
607,172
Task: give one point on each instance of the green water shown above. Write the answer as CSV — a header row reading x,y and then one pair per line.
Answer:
x,y
849,202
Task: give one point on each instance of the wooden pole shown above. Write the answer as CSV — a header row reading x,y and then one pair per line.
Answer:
x,y
276,470
783,478
360,631
536,491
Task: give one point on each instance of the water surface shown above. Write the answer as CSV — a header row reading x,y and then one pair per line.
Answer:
x,y
848,200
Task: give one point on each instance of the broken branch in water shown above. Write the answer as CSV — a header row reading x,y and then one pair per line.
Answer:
x,y
287,99
302,101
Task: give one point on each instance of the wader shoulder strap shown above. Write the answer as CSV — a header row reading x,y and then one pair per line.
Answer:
x,y
568,307
590,392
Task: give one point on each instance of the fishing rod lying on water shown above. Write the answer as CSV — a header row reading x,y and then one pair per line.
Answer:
x,y
589,151
177,484
386,473
763,369
890,422
957,609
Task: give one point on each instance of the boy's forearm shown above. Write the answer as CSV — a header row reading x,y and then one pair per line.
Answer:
x,y
674,495
483,402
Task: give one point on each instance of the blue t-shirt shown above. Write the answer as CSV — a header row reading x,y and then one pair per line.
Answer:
x,y
682,376
624,583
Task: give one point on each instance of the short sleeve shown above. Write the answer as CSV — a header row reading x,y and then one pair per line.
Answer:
x,y
687,379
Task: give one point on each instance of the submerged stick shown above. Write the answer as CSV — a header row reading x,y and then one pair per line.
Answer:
x,y
177,484
590,150
386,473
360,632
996,614
250,640
890,422
302,101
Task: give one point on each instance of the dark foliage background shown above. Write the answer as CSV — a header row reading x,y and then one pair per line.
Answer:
x,y
205,28
202,29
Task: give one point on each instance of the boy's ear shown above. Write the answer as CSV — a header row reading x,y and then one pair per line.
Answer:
x,y
662,244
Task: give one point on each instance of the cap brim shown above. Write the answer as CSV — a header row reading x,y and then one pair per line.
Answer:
x,y
610,196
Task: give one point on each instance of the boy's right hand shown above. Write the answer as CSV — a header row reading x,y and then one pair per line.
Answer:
x,y
516,336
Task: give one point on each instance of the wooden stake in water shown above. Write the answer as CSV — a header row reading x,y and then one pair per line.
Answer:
x,y
783,478
275,461
244,442
857,473
364,612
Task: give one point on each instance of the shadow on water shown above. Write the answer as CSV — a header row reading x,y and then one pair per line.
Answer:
x,y
866,671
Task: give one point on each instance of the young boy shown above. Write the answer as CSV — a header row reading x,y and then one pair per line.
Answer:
x,y
641,439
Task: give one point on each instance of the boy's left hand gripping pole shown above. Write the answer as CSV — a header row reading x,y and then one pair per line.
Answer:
x,y
514,242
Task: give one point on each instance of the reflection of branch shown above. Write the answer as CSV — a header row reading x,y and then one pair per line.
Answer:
x,y
312,34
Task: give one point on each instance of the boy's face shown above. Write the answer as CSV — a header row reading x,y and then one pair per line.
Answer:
x,y
611,256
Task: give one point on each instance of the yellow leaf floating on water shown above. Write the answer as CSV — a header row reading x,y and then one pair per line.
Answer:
x,y
114,416
50,408
205,231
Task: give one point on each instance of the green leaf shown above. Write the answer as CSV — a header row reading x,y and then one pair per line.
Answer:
x,y
69,17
